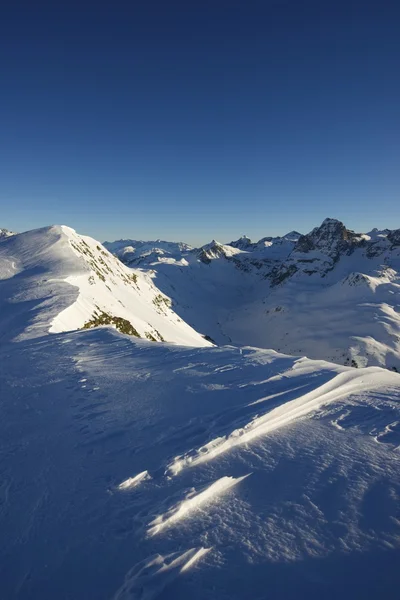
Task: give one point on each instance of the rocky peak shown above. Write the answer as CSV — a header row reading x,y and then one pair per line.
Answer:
x,y
324,246
243,243
209,251
5,233
330,237
394,237
293,236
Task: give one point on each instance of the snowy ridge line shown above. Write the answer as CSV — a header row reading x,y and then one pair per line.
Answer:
x,y
132,482
192,502
339,387
277,292
149,578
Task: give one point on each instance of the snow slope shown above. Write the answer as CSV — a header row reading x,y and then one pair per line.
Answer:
x,y
68,281
331,294
134,470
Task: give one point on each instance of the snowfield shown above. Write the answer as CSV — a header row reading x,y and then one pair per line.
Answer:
x,y
135,470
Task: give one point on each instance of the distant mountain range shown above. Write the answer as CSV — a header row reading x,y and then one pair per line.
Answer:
x,y
332,293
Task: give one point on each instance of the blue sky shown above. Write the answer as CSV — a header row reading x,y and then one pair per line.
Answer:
x,y
199,120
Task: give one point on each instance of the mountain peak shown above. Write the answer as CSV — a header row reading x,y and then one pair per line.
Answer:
x,y
5,233
330,221
292,235
243,243
327,237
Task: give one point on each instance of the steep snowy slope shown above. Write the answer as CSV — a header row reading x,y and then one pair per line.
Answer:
x,y
134,471
331,294
70,281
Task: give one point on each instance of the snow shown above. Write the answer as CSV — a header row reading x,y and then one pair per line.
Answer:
x,y
5,233
341,384
74,277
132,482
192,502
139,470
331,294
84,411
148,580
134,252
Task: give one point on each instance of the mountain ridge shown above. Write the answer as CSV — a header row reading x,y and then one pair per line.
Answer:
x,y
285,292
53,279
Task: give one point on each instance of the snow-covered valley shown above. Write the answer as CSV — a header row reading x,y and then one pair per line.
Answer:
x,y
330,294
135,469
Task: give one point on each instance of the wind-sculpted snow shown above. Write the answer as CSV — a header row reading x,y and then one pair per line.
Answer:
x,y
132,482
148,579
340,386
89,508
192,502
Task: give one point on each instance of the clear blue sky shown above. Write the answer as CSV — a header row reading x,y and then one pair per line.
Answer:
x,y
199,119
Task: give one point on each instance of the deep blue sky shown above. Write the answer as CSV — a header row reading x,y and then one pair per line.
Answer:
x,y
199,119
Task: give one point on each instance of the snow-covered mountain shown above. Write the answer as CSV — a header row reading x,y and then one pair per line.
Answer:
x,y
70,281
5,233
331,294
134,252
134,470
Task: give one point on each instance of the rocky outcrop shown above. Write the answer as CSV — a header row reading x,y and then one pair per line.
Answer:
x,y
331,238
5,233
243,243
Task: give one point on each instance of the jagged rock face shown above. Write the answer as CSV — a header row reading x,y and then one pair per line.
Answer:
x,y
330,237
243,243
318,251
394,237
210,251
